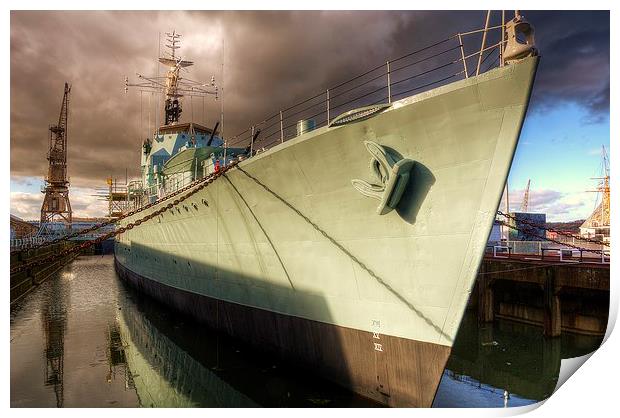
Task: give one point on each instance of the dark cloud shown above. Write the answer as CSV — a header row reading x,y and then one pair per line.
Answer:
x,y
272,59
575,60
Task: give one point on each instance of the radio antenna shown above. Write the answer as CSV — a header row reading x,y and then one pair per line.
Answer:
x,y
222,103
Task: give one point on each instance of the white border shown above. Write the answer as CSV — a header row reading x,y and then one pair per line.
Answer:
x,y
591,391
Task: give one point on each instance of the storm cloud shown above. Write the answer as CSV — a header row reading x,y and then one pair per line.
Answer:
x,y
272,59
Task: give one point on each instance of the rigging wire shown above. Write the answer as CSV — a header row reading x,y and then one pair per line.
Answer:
x,y
141,117
546,228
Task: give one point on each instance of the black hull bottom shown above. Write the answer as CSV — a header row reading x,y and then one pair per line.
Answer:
x,y
393,371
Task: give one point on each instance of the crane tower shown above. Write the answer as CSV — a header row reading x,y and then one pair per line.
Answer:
x,y
56,205
526,198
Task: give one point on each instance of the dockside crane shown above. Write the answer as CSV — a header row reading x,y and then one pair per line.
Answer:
x,y
526,197
56,205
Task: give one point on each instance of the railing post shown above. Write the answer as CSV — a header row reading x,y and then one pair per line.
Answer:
x,y
484,41
328,106
252,142
463,56
389,83
501,47
281,128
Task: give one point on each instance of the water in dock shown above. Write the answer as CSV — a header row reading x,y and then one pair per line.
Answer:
x,y
84,339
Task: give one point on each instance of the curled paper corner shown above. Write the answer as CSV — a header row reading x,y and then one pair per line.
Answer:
x,y
568,367
510,411
611,319
521,410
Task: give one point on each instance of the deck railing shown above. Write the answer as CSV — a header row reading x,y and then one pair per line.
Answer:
x,y
544,250
27,242
425,68
431,66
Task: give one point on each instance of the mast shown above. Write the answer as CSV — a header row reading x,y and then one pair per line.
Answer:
x,y
598,222
173,85
222,106
604,188
157,71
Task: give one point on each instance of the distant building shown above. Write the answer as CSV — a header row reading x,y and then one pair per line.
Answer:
x,y
495,237
527,226
553,235
58,228
21,228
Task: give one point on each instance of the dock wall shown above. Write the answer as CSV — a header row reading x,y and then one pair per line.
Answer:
x,y
560,297
23,282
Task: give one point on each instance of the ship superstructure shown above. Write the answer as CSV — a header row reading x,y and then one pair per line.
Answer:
x,y
349,241
176,153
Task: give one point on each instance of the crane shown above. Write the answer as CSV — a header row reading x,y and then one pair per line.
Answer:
x,y
526,197
56,205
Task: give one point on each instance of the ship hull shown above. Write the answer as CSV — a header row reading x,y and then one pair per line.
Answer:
x,y
284,252
398,376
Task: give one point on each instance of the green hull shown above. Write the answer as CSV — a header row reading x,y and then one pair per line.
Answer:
x,y
289,233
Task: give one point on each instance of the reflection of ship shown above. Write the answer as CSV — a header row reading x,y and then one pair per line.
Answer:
x,y
172,365
165,375
295,252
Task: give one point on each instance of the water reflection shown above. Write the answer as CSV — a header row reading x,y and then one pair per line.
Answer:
x,y
111,346
117,359
54,321
488,359
61,339
85,339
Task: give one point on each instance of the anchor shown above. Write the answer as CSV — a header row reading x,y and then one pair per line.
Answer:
x,y
391,171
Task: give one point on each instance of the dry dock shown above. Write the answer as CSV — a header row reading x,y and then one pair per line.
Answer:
x,y
558,295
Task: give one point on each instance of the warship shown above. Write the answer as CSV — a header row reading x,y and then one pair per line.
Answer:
x,y
359,272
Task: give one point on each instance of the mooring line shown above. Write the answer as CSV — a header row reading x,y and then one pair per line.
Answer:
x,y
262,229
354,258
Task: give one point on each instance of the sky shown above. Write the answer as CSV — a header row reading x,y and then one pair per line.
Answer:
x,y
274,59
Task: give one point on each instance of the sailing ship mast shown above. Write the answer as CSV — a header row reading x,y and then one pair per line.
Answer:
x,y
598,224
